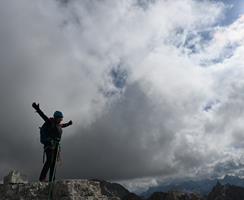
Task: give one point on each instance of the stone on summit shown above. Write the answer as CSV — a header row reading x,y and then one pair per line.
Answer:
x,y
14,177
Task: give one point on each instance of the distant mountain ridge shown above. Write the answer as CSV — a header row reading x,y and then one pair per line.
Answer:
x,y
202,187
226,192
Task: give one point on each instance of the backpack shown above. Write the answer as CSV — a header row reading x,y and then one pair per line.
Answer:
x,y
44,133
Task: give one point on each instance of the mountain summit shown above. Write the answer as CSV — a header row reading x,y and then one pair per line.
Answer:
x,y
16,187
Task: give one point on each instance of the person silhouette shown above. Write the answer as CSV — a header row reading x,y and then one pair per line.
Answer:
x,y
53,129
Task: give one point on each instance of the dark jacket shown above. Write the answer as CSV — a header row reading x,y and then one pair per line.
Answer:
x,y
55,130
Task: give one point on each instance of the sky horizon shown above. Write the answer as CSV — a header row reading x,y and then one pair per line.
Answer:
x,y
154,87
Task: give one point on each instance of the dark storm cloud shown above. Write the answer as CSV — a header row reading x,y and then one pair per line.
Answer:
x,y
25,66
110,150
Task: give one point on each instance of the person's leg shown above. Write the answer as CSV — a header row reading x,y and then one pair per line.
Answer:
x,y
52,164
47,164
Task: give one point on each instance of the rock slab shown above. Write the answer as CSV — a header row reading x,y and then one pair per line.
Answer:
x,y
14,177
62,190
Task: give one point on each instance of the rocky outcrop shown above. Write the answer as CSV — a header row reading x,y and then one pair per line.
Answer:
x,y
131,196
62,190
14,177
174,195
226,192
112,189
16,187
80,190
158,195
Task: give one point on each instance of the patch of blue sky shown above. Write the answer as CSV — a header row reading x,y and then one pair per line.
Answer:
x,y
144,4
210,105
234,8
189,41
226,53
192,41
118,76
195,41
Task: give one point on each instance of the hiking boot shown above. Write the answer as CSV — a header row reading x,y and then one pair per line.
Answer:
x,y
44,180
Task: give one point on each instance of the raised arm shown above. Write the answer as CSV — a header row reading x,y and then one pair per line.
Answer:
x,y
39,111
66,124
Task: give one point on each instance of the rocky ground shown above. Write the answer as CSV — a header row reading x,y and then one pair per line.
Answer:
x,y
16,187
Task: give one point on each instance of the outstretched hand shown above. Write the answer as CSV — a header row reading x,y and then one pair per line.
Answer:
x,y
36,106
70,122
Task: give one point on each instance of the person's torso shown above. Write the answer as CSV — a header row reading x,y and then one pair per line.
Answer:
x,y
55,131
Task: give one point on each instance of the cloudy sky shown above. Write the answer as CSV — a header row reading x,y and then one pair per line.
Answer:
x,y
155,88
